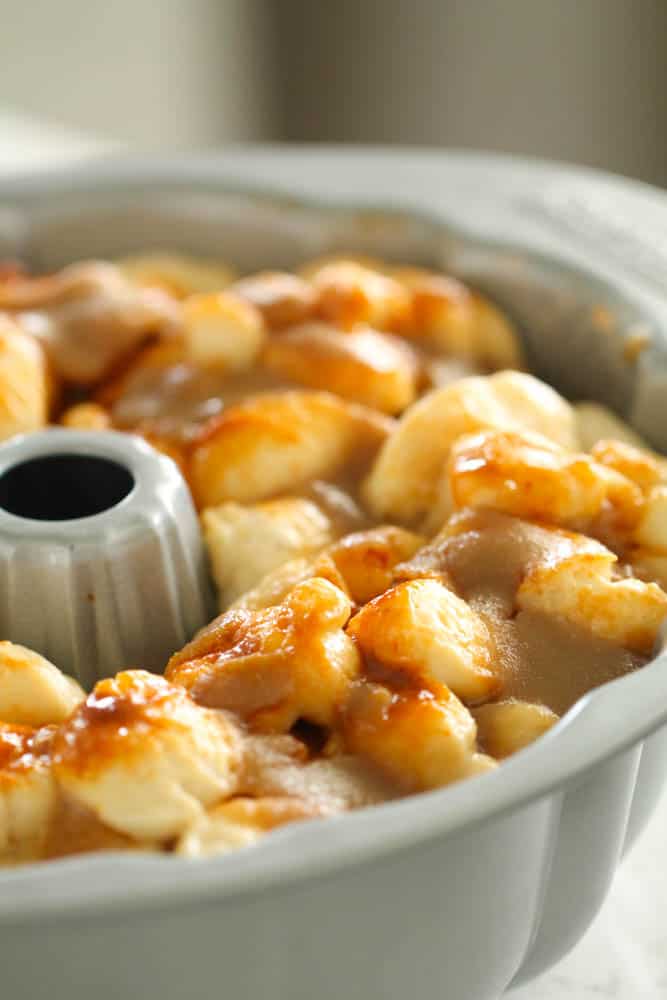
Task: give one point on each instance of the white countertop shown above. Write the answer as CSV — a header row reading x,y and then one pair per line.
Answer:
x,y
624,954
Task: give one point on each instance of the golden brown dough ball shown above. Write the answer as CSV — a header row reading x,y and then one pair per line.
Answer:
x,y
24,387
241,822
277,442
430,637
28,796
505,727
458,323
405,481
361,564
583,589
33,692
247,542
638,464
596,422
144,758
529,476
275,666
221,330
420,742
349,293
86,417
89,317
283,299
363,365
178,274
365,560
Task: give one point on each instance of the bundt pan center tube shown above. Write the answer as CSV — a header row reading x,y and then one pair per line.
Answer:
x,y
101,560
457,893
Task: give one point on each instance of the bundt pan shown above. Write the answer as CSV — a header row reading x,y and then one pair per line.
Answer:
x,y
457,893
101,561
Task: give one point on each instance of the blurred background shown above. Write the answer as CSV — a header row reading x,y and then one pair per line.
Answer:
x,y
577,80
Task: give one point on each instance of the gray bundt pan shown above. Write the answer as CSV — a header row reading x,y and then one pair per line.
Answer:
x,y
456,893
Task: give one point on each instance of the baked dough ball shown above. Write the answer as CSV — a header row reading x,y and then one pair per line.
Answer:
x,y
86,417
32,691
651,531
441,310
312,267
179,275
431,636
551,571
275,443
640,465
23,381
273,588
240,823
246,543
365,560
447,316
142,381
646,544
287,789
504,727
528,476
89,317
496,343
166,398
221,330
404,483
649,565
349,293
596,422
419,741
28,794
583,589
366,366
144,758
275,666
361,564
283,299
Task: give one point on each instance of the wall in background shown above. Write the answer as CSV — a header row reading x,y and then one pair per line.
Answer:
x,y
582,80
155,73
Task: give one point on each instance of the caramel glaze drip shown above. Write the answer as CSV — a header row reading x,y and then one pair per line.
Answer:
x,y
22,748
541,659
163,393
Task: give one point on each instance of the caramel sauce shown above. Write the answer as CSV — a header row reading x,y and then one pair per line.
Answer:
x,y
345,514
540,658
553,662
176,400
23,748
399,680
283,298
246,693
120,711
268,685
279,766
88,317
94,327
76,830
230,630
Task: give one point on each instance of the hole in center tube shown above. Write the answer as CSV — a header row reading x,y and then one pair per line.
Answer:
x,y
64,487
